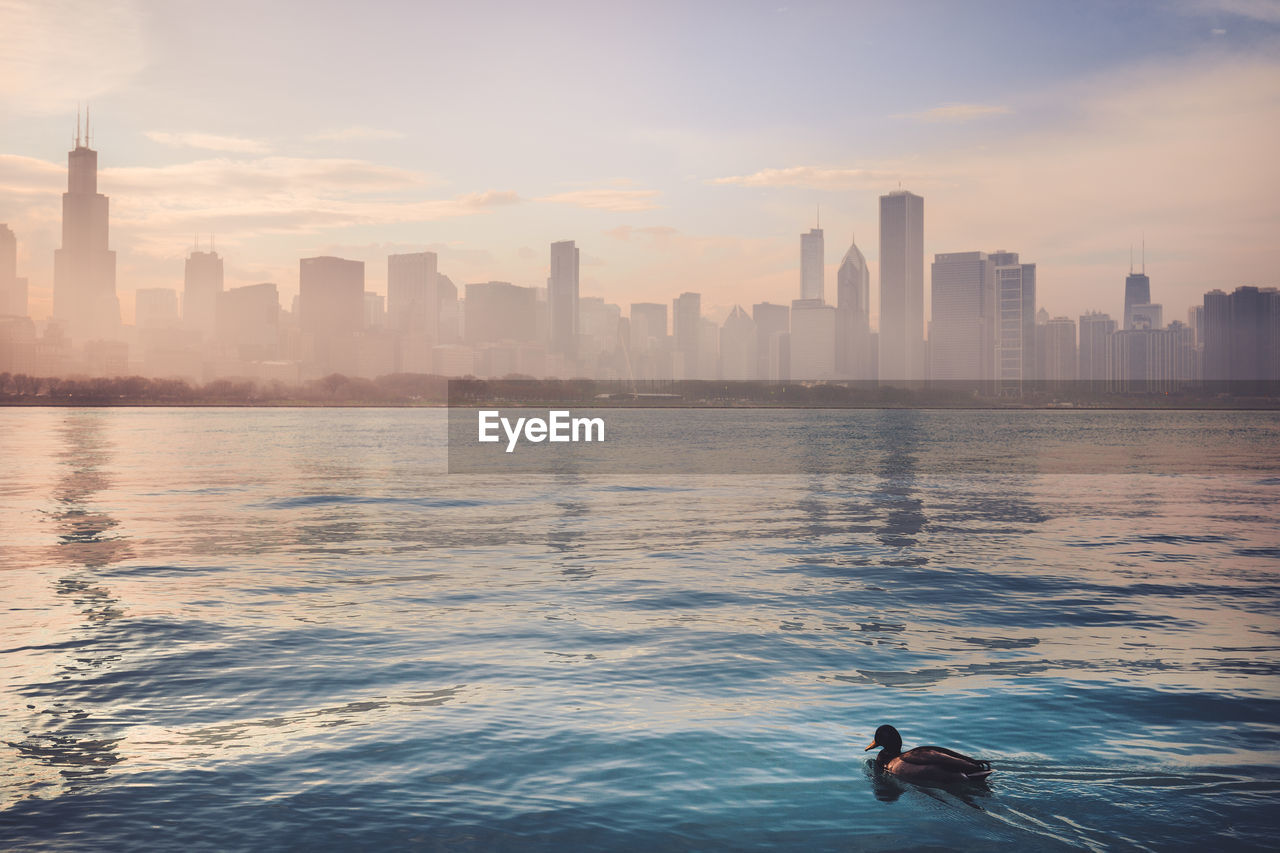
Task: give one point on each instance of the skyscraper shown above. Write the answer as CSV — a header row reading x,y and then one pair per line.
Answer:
x,y
853,316
84,269
1137,291
813,340
562,296
1059,350
901,286
1095,332
412,304
1242,334
773,354
738,346
201,288
331,305
811,265
500,311
686,317
1015,290
961,337
648,326
13,290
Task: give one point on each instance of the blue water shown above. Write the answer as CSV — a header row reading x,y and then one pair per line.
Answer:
x,y
283,628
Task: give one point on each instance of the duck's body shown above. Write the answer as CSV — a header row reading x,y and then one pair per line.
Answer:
x,y
926,765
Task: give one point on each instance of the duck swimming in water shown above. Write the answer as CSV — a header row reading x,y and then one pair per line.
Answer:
x,y
925,765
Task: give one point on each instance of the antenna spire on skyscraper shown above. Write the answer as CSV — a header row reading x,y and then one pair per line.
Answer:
x,y
77,124
1144,253
88,137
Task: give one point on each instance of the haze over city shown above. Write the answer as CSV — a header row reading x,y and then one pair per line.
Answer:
x,y
682,149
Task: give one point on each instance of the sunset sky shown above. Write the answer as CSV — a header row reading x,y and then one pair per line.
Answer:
x,y
684,146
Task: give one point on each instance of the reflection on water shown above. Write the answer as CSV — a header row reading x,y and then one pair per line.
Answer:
x,y
273,628
62,733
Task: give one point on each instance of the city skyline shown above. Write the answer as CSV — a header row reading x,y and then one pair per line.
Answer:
x,y
1158,128
987,323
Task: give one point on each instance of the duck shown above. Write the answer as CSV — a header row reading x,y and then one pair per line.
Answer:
x,y
926,765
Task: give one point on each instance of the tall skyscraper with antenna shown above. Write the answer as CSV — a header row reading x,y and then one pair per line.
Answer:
x,y
84,269
202,283
1137,289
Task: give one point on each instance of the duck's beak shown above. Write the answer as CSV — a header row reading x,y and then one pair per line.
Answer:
x,y
873,745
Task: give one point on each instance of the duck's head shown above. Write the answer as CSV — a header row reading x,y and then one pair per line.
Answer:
x,y
887,738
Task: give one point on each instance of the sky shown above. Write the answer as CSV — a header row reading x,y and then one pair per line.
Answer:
x,y
684,146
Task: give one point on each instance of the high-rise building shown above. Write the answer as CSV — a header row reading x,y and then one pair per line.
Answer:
x,y
375,310
84,269
738,346
812,273
202,282
331,308
686,320
1137,291
773,327
412,299
962,333
598,327
562,298
155,307
648,326
1195,319
249,321
1095,332
813,340
1059,350
500,311
901,286
1242,334
1146,315
853,316
13,290
1015,290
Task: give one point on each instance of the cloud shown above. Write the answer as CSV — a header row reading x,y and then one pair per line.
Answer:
x,y
26,176
54,53
1265,11
209,142
354,133
617,200
815,177
957,112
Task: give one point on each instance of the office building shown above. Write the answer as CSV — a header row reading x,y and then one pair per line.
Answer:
x,y
562,299
13,290
1092,358
961,336
812,273
331,312
686,322
84,268
202,282
901,287
853,316
813,340
773,325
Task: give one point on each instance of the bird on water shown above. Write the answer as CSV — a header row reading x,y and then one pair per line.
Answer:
x,y
926,765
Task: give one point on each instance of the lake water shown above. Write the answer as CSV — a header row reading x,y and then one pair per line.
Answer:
x,y
288,628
